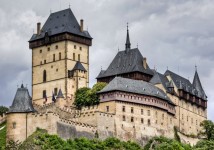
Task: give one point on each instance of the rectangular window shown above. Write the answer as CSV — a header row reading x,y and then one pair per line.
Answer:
x,y
107,108
141,111
73,56
149,122
55,91
44,93
75,46
124,109
78,57
132,110
59,56
142,120
132,119
48,48
56,47
80,48
148,112
44,61
53,57
124,118
40,51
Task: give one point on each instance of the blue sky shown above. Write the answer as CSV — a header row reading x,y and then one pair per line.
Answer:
x,y
177,34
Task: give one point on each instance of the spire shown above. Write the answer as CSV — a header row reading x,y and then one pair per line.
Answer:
x,y
60,95
197,84
128,44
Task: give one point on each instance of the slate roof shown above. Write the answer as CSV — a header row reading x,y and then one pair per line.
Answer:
x,y
135,86
197,84
60,94
79,66
159,78
61,22
22,102
186,85
126,62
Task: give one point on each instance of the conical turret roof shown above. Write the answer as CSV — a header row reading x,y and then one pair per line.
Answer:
x,y
197,84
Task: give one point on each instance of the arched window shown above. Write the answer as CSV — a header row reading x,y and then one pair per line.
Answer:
x,y
73,56
78,57
44,76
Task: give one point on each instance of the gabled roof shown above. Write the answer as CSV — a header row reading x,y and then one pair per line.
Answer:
x,y
61,22
126,62
185,84
60,94
22,101
79,66
159,78
197,84
135,86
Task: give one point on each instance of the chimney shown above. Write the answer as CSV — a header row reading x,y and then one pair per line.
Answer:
x,y
38,28
81,25
144,63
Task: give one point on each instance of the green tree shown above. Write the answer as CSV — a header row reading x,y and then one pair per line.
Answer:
x,y
82,97
93,93
3,110
208,129
204,145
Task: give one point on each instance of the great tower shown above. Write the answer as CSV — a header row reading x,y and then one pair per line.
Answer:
x,y
60,57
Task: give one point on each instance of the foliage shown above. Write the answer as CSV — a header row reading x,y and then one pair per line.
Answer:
x,y
208,129
163,143
3,136
205,145
42,140
3,110
87,97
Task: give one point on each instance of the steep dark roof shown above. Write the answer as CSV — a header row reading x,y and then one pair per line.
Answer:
x,y
22,101
126,62
159,78
60,95
79,66
61,22
185,84
197,84
135,86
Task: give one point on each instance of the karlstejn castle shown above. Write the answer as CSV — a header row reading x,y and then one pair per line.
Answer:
x,y
136,104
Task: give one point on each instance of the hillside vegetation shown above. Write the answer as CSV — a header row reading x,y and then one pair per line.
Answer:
x,y
2,135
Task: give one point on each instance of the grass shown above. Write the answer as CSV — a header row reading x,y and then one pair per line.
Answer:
x,y
2,136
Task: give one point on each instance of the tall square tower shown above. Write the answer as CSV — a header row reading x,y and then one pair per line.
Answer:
x,y
60,57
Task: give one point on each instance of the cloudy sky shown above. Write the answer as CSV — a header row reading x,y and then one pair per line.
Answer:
x,y
177,34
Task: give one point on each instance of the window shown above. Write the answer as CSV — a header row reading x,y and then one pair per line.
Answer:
x,y
40,62
48,48
141,111
73,56
59,56
44,76
55,91
148,112
149,122
124,109
142,120
80,48
44,61
14,125
132,110
40,51
107,108
132,119
56,46
44,94
53,57
78,57
75,46
124,118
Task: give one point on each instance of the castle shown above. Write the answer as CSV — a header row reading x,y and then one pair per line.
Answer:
x,y
138,102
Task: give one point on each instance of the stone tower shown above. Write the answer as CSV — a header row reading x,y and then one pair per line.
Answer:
x,y
60,49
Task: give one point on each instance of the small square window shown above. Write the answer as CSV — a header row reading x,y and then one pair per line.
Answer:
x,y
48,48
124,109
141,111
132,119
14,125
40,51
75,46
124,118
55,91
80,48
107,108
132,110
44,61
56,46
142,120
56,70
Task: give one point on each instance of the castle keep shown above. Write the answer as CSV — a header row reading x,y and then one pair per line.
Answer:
x,y
137,104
